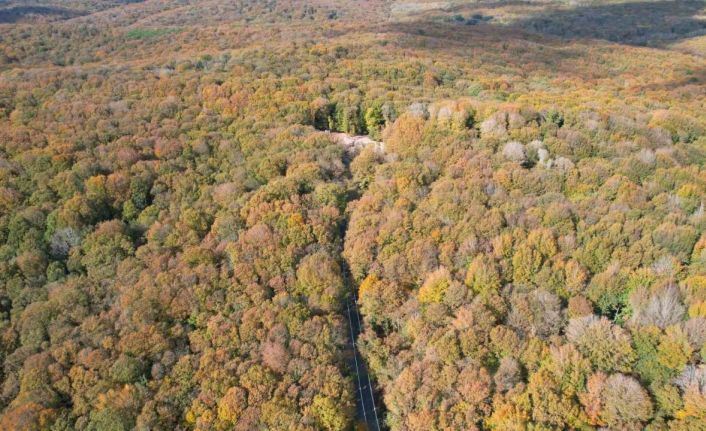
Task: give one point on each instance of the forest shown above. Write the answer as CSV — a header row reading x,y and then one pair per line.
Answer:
x,y
182,236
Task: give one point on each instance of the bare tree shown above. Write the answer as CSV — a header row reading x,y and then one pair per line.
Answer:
x,y
692,378
662,308
508,375
626,403
514,152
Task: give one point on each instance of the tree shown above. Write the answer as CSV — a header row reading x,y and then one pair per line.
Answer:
x,y
329,414
661,308
592,398
435,287
319,280
514,152
526,262
126,369
554,388
626,405
374,119
606,345
103,249
482,276
674,350
536,314
508,374
275,356
232,405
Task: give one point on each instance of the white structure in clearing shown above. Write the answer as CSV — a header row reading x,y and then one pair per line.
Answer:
x,y
354,144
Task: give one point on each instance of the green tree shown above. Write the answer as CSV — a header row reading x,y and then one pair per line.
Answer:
x,y
482,276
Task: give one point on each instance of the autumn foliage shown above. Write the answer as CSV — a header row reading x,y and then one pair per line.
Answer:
x,y
180,236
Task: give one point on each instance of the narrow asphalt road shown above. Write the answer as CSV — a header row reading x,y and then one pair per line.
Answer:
x,y
366,409
367,413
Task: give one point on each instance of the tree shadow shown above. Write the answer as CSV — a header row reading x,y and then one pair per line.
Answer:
x,y
513,53
644,23
693,85
20,13
494,48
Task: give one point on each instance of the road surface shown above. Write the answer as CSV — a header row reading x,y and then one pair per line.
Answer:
x,y
366,410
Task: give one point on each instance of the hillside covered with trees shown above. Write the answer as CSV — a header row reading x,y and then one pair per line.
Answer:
x,y
181,237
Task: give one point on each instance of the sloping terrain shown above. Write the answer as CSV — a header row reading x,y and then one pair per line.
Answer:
x,y
182,231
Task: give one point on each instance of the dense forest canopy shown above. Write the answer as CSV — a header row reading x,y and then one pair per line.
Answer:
x,y
181,239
